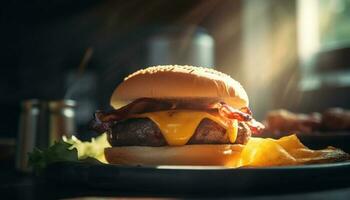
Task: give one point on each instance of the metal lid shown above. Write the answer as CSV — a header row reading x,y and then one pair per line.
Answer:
x,y
59,104
31,103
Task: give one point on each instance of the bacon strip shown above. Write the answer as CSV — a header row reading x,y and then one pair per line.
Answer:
x,y
104,120
255,126
231,113
244,114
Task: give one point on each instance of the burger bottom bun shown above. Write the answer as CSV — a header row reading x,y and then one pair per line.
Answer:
x,y
215,155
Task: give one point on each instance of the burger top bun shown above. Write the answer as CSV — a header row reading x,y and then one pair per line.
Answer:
x,y
179,82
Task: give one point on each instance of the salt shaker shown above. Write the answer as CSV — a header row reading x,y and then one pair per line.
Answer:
x,y
41,124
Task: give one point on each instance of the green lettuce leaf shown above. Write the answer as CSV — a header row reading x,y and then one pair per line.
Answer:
x,y
69,149
59,151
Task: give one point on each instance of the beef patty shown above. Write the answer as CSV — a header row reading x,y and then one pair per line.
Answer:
x,y
144,132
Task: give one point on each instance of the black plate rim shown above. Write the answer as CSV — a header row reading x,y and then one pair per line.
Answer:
x,y
221,168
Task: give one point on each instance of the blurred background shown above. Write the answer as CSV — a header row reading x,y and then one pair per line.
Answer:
x,y
289,54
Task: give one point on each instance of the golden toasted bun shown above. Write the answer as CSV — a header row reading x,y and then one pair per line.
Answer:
x,y
179,82
218,155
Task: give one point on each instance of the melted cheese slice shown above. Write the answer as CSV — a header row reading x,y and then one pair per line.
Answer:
x,y
178,126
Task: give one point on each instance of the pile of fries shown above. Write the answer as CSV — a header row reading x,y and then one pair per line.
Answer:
x,y
263,152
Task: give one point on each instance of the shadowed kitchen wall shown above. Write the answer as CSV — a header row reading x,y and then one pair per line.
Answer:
x,y
43,43
270,59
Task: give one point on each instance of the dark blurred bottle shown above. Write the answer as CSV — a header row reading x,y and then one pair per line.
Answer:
x,y
188,45
82,89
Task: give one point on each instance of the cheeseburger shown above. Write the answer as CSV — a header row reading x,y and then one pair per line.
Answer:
x,y
176,115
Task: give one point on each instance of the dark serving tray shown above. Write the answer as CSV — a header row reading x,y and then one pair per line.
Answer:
x,y
189,180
